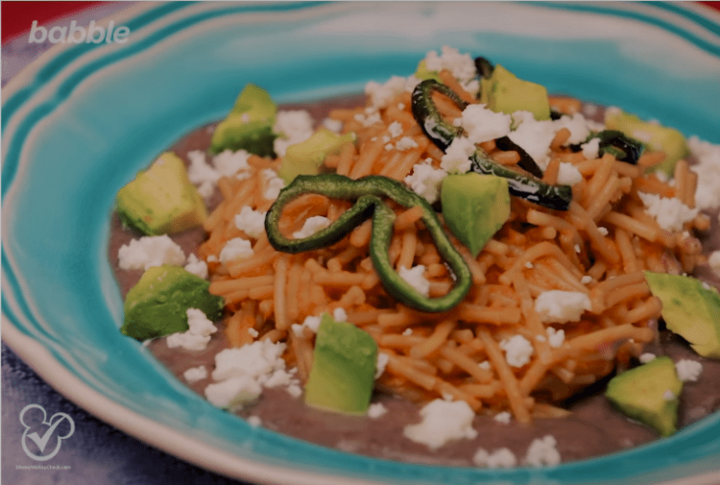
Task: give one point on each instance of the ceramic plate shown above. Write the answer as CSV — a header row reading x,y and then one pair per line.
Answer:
x,y
82,120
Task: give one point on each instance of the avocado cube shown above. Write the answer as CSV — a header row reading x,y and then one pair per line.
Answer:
x,y
306,157
161,199
649,394
342,376
505,93
249,125
690,310
158,303
652,135
475,207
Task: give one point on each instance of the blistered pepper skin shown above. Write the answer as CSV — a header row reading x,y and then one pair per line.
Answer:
x,y
526,186
368,194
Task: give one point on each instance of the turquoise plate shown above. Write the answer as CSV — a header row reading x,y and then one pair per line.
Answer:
x,y
79,122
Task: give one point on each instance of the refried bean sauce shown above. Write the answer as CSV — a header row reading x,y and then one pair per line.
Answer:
x,y
592,428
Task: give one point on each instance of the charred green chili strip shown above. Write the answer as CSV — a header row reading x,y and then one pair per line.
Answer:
x,y
484,67
368,193
617,144
557,197
526,161
442,133
621,146
428,117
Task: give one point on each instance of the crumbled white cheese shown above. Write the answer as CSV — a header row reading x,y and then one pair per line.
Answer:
x,y
688,370
382,361
194,374
707,193
246,370
557,306
229,163
197,336
251,222
518,350
591,149
196,266
529,265
576,124
555,337
340,315
395,129
500,458
533,136
425,180
376,410
442,421
670,213
311,226
232,392
462,66
603,230
381,94
408,331
149,251
335,126
258,360
485,364
235,248
280,377
273,184
253,333
368,118
310,322
457,156
542,451
415,277
714,262
226,163
293,126
503,417
646,357
294,390
406,143
668,395
254,421
482,124
201,174
568,174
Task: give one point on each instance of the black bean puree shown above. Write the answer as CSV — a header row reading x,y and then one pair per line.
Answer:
x,y
592,428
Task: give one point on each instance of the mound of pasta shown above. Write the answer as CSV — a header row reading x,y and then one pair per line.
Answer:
x,y
558,297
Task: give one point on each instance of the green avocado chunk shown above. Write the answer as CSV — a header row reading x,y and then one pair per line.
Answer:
x,y
306,157
690,310
649,393
505,93
342,376
249,126
652,135
161,199
158,303
475,207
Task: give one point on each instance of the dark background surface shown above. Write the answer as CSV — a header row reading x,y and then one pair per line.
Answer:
x,y
97,453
